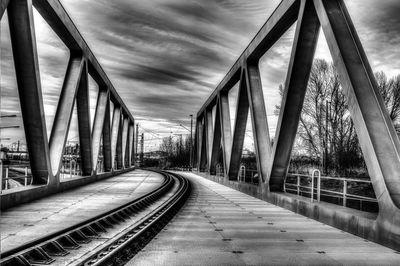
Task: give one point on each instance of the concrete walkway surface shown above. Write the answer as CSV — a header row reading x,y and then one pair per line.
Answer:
x,y
38,218
222,226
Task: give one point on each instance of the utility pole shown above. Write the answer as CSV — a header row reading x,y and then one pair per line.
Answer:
x,y
142,149
136,144
191,143
326,138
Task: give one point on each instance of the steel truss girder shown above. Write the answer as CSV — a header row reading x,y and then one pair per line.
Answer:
x,y
378,139
46,156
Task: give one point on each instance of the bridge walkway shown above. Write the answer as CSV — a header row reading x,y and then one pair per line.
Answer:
x,y
221,226
27,222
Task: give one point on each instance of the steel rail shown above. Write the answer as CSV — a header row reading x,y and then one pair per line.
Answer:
x,y
41,250
123,247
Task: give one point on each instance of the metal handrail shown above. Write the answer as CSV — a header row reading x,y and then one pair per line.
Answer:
x,y
310,189
243,172
6,177
219,170
349,196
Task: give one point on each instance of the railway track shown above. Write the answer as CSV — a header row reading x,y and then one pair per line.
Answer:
x,y
112,238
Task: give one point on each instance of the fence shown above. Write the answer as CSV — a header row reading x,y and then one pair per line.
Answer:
x,y
21,177
338,190
348,192
70,169
219,170
248,175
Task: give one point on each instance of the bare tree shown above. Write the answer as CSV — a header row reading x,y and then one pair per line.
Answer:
x,y
177,151
390,91
326,131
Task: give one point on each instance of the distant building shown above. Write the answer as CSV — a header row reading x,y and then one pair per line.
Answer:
x,y
247,153
3,155
154,154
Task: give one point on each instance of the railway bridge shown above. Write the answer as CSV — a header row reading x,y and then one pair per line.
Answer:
x,y
114,212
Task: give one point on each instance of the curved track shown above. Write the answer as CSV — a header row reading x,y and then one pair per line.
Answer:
x,y
122,246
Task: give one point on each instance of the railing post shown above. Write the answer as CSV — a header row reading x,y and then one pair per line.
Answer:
x,y
319,186
298,184
344,193
1,176
26,176
70,169
6,185
242,173
312,184
284,186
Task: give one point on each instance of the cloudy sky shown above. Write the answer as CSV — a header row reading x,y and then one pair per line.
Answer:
x,y
165,57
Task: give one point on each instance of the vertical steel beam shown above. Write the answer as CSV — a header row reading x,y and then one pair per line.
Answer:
x,y
65,107
216,143
130,143
304,44
136,143
107,147
197,143
126,158
98,123
202,147
203,161
242,112
119,149
259,120
83,110
114,134
200,142
199,135
124,141
194,146
225,130
23,42
378,139
209,133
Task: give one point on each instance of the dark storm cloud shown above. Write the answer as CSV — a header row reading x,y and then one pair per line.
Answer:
x,y
175,103
165,75
165,57
195,11
377,23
